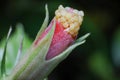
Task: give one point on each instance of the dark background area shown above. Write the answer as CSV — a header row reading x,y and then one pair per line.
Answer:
x,y
98,58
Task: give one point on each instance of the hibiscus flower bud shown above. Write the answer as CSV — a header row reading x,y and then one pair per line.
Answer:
x,y
51,46
68,21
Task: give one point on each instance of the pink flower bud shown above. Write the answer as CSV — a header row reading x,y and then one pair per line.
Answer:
x,y
68,23
51,46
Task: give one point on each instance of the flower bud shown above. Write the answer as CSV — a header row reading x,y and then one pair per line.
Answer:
x,y
68,21
52,45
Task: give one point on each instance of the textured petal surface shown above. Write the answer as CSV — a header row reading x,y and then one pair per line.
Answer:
x,y
61,40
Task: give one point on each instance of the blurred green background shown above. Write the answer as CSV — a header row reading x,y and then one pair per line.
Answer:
x,y
98,58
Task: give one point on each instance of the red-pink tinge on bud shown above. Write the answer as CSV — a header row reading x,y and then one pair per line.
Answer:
x,y
68,21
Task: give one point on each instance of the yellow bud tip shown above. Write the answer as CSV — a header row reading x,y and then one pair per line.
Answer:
x,y
70,18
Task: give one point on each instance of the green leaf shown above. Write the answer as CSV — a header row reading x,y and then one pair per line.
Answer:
x,y
13,47
19,52
3,61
